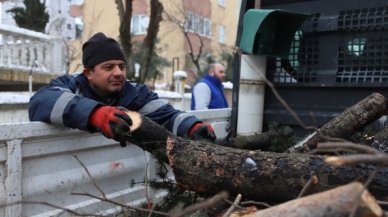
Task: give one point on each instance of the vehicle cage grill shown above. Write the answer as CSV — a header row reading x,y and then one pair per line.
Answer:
x,y
349,47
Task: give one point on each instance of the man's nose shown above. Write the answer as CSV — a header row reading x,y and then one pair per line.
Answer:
x,y
117,70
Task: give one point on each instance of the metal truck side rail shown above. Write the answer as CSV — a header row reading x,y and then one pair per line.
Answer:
x,y
37,164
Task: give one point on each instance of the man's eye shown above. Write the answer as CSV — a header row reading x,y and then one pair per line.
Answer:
x,y
108,67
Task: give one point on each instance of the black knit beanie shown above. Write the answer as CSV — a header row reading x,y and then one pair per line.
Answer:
x,y
100,48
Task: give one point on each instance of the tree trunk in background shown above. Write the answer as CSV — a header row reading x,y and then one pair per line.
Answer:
x,y
150,39
125,15
348,122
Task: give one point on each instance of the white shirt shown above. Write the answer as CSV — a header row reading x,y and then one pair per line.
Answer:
x,y
202,96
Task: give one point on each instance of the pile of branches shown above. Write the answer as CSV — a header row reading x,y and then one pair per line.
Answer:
x,y
324,175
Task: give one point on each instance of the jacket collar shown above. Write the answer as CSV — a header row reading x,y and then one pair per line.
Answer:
x,y
214,80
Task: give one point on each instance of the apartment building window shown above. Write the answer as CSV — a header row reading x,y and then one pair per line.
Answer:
x,y
139,24
207,27
221,34
221,3
79,27
198,24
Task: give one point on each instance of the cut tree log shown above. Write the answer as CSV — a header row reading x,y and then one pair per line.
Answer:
x,y
347,123
262,176
340,201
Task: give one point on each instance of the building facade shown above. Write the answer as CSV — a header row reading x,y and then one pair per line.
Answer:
x,y
188,27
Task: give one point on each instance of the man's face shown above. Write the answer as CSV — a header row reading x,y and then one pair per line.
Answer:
x,y
218,71
108,77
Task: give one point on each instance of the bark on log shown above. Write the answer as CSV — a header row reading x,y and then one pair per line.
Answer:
x,y
148,135
380,140
260,176
260,141
338,202
348,122
253,142
382,135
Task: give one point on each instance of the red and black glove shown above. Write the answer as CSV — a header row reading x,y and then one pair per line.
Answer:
x,y
112,122
202,131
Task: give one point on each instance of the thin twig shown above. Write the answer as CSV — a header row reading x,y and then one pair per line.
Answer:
x,y
312,181
146,188
371,177
119,204
90,176
146,182
204,204
151,210
379,159
231,208
382,202
335,151
231,203
347,146
50,205
244,203
282,101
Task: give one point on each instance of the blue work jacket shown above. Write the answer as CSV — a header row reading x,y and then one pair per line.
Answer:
x,y
217,97
69,101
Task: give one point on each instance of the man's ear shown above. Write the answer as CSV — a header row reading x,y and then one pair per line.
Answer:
x,y
87,72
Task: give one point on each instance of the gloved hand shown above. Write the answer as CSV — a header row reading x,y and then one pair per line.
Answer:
x,y
200,131
112,122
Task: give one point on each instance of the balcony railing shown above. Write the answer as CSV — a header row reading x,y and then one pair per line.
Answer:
x,y
26,50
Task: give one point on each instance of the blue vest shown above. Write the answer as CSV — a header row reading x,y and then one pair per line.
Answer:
x,y
217,99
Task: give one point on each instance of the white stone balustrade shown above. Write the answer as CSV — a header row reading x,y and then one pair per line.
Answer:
x,y
26,50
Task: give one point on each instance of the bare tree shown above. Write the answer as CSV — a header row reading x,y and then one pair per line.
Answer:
x,y
195,52
125,14
150,40
185,19
72,49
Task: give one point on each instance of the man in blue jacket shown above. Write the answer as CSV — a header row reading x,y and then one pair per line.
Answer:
x,y
208,93
96,100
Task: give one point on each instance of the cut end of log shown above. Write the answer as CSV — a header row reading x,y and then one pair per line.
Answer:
x,y
335,161
169,147
136,120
